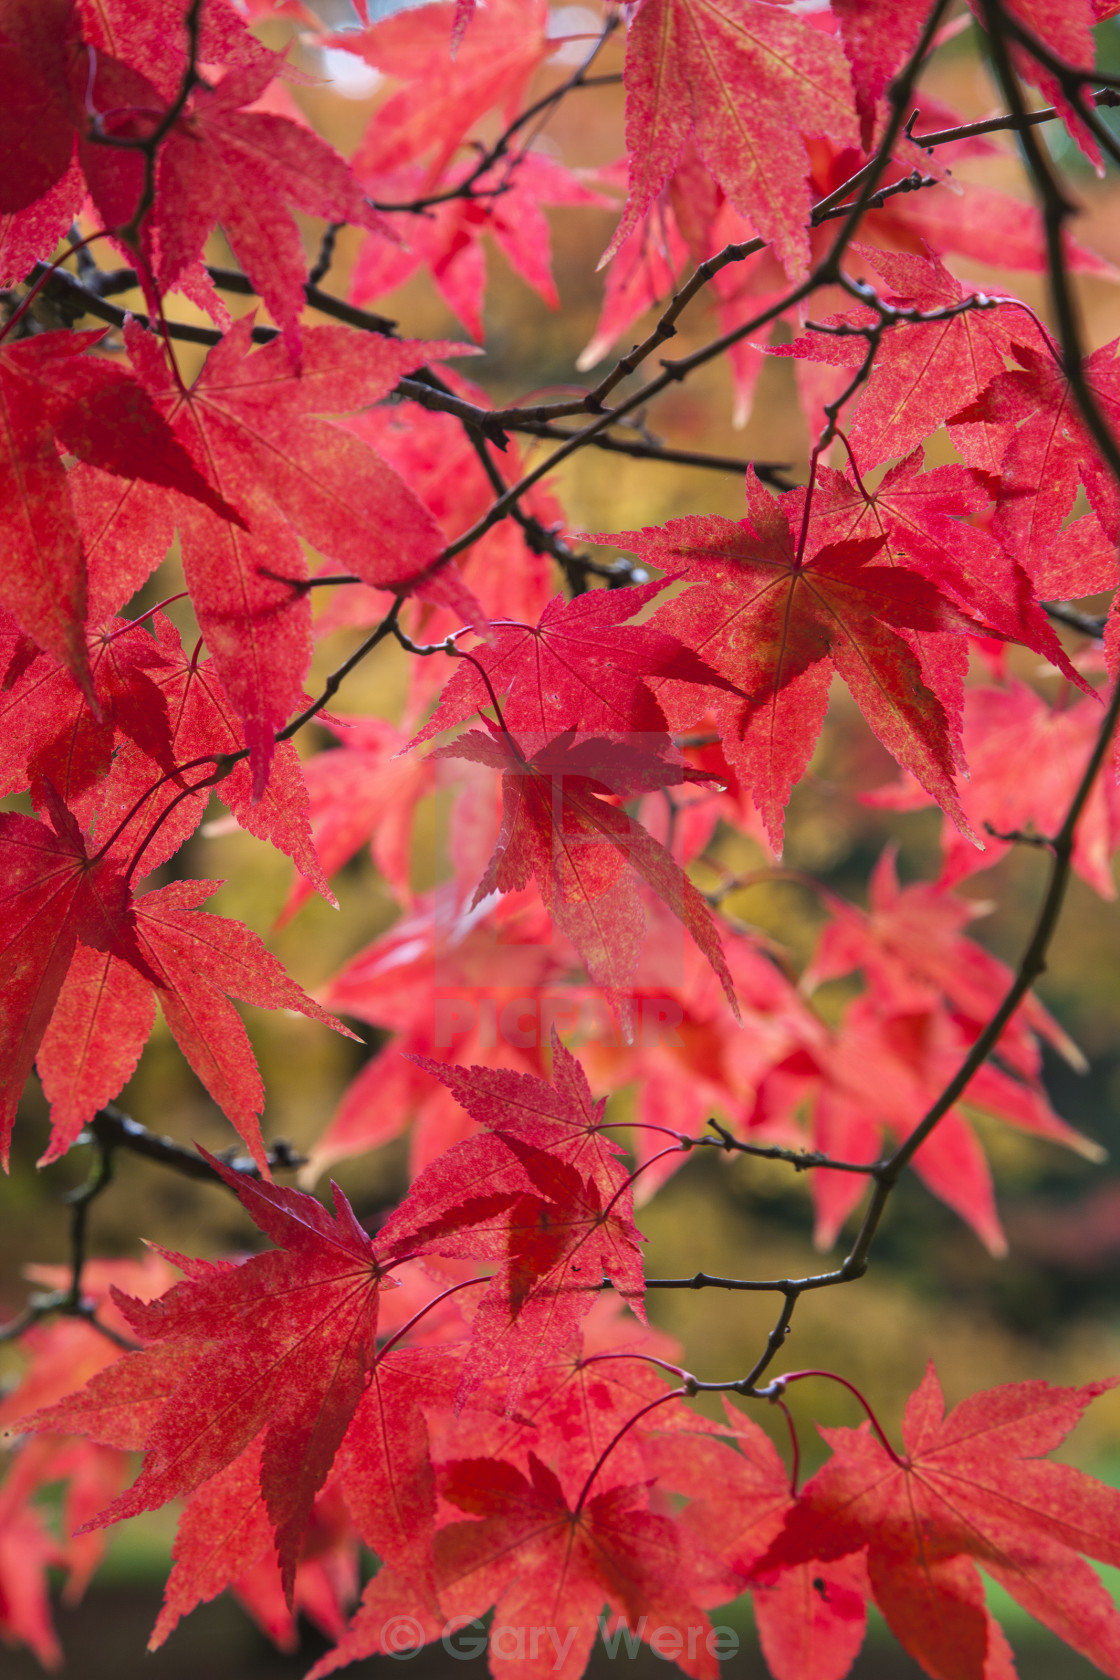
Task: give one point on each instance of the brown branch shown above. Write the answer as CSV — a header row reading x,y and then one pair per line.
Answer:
x,y
1009,124
1063,613
115,1130
799,1159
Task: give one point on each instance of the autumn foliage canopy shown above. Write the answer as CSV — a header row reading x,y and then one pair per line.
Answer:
x,y
464,1391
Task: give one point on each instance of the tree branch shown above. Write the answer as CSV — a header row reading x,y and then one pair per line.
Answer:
x,y
113,1129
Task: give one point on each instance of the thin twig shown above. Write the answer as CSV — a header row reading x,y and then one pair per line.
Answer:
x,y
114,1129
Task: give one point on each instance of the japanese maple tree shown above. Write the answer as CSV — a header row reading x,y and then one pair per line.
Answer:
x,y
397,1420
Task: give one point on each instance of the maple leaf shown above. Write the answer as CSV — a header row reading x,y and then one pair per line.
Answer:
x,y
923,372
27,1550
63,62
922,516
283,1342
431,979
582,667
59,1355
254,420
35,128
561,1117
1067,30
389,1604
972,1489
1049,451
810,1618
53,394
642,272
48,732
138,791
326,1584
32,233
886,1068
773,621
384,1466
1006,729
547,1565
156,44
436,459
192,962
579,1400
53,893
64,1353
690,1059
911,951
248,170
585,853
878,37
557,1233
224,1539
442,98
689,67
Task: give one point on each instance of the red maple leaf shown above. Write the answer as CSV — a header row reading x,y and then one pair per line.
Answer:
x,y
885,1070
972,1489
549,1566
1006,730
700,69
63,61
561,1117
35,127
249,170
363,790
51,396
436,459
27,1550
924,371
878,37
776,621
580,1400
923,517
53,894
1067,29
811,1617
431,979
385,1467
145,809
193,962
910,948
254,420
224,1539
581,667
585,853
283,1342
555,1232
25,235
156,44
49,733
443,97
506,202
1049,451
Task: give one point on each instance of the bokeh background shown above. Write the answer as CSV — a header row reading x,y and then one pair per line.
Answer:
x,y
1049,1310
